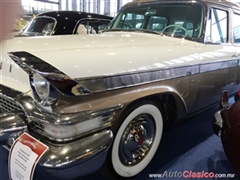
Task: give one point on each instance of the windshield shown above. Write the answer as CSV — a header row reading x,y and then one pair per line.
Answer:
x,y
40,26
169,19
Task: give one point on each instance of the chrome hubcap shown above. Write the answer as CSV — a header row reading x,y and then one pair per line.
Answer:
x,y
137,140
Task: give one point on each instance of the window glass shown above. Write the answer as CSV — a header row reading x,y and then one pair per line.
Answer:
x,y
91,26
236,28
41,25
131,20
174,19
216,31
185,28
157,23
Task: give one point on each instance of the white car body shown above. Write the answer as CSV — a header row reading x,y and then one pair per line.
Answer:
x,y
113,58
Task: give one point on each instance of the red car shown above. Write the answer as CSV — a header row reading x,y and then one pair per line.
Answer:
x,y
227,126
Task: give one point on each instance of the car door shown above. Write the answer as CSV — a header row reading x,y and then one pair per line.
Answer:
x,y
218,64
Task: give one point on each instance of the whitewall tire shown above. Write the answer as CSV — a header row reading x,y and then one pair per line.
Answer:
x,y
137,139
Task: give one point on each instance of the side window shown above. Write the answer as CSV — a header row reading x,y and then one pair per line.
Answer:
x,y
92,26
48,28
216,31
236,28
41,25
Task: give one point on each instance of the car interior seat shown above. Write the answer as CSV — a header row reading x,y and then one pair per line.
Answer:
x,y
81,29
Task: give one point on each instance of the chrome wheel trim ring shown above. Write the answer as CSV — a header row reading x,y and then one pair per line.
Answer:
x,y
137,139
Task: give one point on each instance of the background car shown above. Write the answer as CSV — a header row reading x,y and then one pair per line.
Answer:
x,y
65,22
227,126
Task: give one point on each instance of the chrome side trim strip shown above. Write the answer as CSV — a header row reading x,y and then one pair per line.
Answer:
x,y
105,83
217,65
98,84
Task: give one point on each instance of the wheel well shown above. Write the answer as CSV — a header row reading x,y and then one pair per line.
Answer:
x,y
166,103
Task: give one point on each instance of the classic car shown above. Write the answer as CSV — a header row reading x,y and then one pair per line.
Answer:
x,y
65,22
101,101
226,125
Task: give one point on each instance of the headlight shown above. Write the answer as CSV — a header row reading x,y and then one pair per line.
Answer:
x,y
42,87
42,90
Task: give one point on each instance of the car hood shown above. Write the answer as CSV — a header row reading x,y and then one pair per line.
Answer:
x,y
80,56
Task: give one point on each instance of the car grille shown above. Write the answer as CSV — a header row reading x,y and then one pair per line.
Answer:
x,y
37,127
8,105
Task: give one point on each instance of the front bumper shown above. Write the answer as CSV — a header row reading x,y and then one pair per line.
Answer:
x,y
67,157
73,159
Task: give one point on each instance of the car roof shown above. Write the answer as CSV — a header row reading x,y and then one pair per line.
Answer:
x,y
220,2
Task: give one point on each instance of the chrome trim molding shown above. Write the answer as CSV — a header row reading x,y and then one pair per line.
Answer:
x,y
218,65
10,123
70,122
98,84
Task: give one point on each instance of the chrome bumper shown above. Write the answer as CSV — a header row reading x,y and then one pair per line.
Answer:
x,y
10,123
65,159
73,159
217,123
